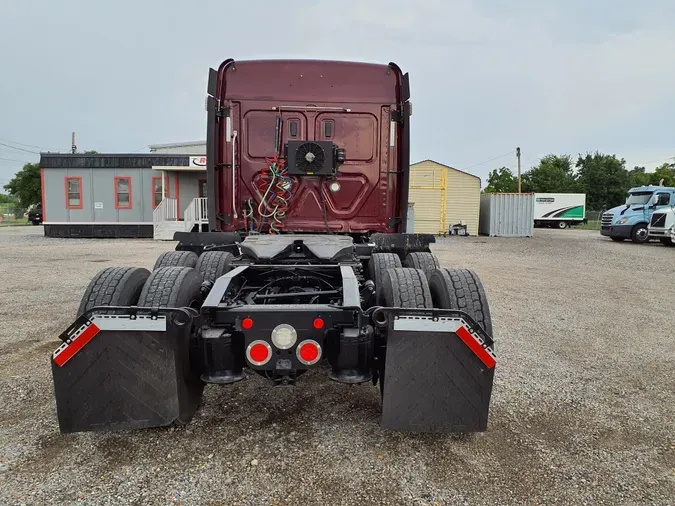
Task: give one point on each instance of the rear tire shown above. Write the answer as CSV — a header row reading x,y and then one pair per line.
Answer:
x,y
178,287
422,260
562,225
461,289
640,233
213,264
176,259
172,287
667,241
114,286
406,288
618,239
377,268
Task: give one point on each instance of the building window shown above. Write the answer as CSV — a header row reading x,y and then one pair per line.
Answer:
x,y
202,188
123,192
157,190
73,192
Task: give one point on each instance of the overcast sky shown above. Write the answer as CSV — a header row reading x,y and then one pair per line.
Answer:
x,y
550,76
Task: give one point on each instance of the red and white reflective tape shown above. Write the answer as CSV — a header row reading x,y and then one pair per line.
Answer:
x,y
457,325
75,343
470,340
79,339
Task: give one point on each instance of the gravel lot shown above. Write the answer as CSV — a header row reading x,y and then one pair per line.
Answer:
x,y
583,408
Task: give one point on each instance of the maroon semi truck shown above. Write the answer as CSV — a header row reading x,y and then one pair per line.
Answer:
x,y
306,265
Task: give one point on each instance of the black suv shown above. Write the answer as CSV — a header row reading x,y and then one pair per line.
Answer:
x,y
35,214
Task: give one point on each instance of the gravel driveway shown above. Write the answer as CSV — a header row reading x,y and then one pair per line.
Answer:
x,y
583,408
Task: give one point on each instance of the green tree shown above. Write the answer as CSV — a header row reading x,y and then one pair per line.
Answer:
x,y
639,177
665,172
10,204
604,179
554,174
501,181
26,185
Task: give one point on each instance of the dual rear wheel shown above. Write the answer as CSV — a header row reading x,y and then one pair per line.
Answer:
x,y
175,281
422,283
174,285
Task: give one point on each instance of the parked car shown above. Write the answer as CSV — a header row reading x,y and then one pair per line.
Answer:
x,y
34,214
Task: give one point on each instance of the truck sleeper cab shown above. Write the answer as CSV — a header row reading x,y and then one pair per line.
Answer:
x,y
631,220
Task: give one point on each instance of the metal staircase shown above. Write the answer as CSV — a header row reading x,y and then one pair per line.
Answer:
x,y
165,219
196,214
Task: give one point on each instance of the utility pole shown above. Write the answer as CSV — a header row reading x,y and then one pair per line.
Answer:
x,y
518,156
74,147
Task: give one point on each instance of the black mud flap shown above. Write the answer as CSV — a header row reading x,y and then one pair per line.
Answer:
x,y
439,370
125,371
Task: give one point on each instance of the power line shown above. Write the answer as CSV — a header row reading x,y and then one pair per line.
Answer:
x,y
19,149
22,144
660,161
487,161
13,160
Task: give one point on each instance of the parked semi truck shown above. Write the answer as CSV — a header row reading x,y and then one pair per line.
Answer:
x,y
631,220
662,226
559,210
306,266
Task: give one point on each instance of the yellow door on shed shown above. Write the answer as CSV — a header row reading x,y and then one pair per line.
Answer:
x,y
428,183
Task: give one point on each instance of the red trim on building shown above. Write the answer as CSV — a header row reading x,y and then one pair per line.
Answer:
x,y
152,189
79,182
42,193
117,202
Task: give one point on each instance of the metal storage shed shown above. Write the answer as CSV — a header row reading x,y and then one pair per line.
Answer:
x,y
507,214
443,196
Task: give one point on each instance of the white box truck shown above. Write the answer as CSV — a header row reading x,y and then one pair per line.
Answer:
x,y
559,210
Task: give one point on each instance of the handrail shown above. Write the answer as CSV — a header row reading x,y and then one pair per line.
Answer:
x,y
167,210
196,213
234,174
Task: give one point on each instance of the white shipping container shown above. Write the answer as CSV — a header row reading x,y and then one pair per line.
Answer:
x,y
559,209
507,214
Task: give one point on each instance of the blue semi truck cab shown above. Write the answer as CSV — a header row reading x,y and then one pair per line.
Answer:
x,y
631,220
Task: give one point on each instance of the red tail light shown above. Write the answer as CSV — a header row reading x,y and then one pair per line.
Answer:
x,y
246,323
318,323
309,352
259,352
